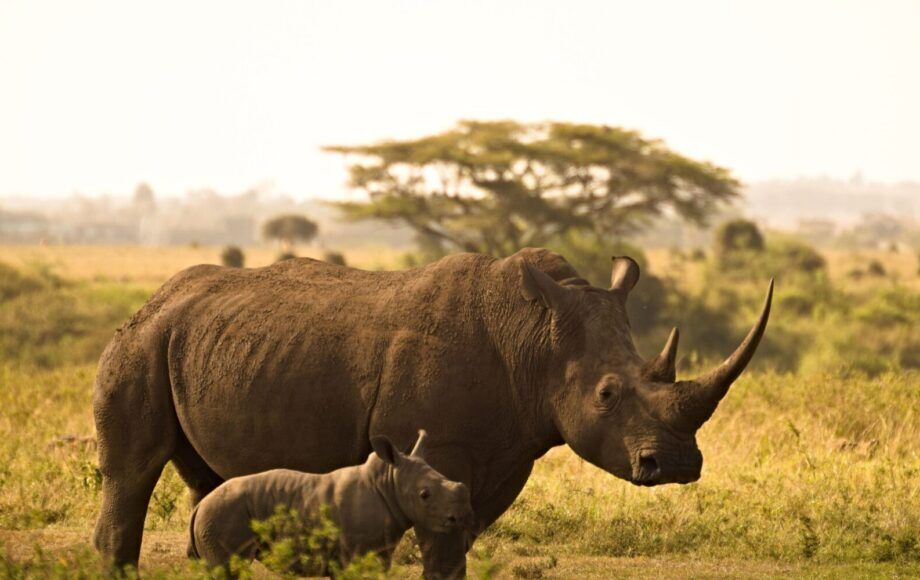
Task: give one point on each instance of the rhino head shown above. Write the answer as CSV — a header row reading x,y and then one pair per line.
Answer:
x,y
628,416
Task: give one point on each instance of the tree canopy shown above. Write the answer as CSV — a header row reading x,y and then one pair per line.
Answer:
x,y
498,186
289,229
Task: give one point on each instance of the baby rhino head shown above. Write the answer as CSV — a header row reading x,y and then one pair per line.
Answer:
x,y
430,500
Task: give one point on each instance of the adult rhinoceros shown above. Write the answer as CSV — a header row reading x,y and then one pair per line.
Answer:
x,y
227,372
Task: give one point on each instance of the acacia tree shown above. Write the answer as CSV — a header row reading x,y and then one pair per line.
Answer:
x,y
288,229
498,186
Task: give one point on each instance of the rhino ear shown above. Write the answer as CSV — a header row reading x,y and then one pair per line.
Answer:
x,y
536,285
624,276
385,449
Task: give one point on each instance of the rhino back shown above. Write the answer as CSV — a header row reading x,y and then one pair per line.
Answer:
x,y
283,366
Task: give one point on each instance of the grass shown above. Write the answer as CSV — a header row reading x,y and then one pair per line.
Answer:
x,y
812,471
150,266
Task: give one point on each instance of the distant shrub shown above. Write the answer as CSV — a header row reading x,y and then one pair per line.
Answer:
x,y
890,307
801,303
334,258
232,257
738,235
876,268
792,255
909,357
46,322
285,256
15,282
698,255
782,256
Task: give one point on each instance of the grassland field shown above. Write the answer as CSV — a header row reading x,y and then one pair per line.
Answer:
x,y
811,470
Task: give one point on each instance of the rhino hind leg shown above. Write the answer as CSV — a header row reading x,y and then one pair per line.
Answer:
x,y
137,429
195,472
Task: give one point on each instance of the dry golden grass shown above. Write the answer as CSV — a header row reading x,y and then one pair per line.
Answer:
x,y
153,265
903,266
808,474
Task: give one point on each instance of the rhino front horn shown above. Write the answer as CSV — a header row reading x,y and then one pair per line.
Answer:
x,y
710,388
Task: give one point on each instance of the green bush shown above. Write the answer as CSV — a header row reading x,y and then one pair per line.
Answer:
x,y
15,282
46,322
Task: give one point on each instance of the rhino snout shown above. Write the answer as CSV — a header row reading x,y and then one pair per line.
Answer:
x,y
654,468
458,520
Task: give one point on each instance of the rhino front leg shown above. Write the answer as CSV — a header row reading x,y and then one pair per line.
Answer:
x,y
490,509
443,555
120,525
136,429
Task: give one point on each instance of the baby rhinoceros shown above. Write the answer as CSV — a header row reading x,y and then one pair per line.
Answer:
x,y
372,505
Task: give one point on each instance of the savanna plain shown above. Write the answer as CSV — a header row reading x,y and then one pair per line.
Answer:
x,y
812,462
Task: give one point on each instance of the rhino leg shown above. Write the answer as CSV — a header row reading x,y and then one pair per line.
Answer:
x,y
137,430
444,554
491,508
198,476
195,472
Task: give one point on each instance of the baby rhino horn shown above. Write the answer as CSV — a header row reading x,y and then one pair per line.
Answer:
x,y
419,449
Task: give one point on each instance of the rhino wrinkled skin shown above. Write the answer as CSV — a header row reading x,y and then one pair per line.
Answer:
x,y
229,372
372,505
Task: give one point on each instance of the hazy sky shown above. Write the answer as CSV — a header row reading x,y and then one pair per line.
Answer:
x,y
96,96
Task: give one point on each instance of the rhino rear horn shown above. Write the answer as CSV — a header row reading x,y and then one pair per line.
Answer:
x,y
710,388
624,276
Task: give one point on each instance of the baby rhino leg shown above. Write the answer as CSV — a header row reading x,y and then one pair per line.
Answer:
x,y
220,532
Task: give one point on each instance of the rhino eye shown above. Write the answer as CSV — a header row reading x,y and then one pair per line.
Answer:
x,y
607,395
424,493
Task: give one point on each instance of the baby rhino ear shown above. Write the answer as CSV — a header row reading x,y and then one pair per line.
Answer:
x,y
385,449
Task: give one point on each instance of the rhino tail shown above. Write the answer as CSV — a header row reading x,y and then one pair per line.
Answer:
x,y
192,550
